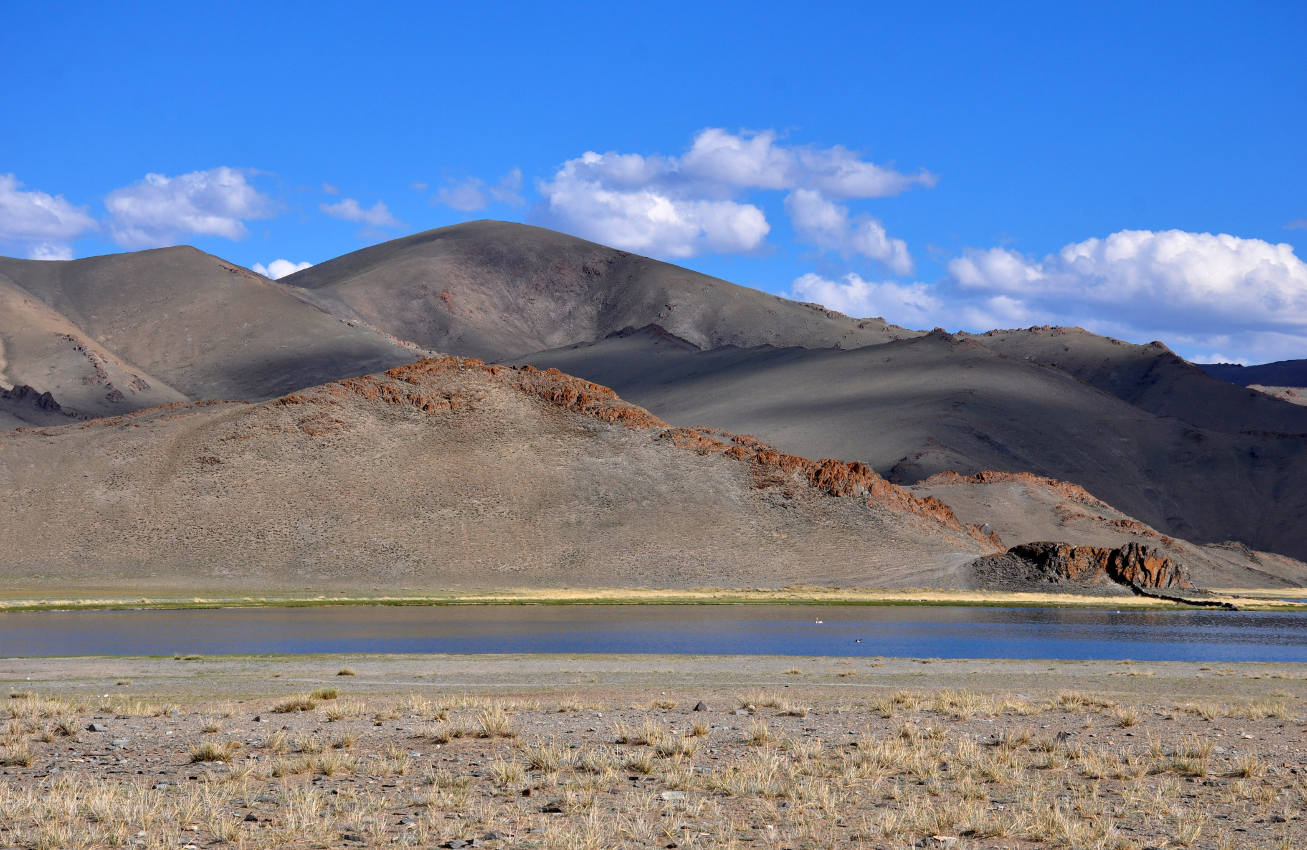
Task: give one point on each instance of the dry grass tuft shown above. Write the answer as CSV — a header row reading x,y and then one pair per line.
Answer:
x,y
294,704
212,751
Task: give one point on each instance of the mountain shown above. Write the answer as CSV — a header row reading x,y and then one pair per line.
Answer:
x,y
109,334
1149,377
448,473
1282,373
917,407
1169,446
497,290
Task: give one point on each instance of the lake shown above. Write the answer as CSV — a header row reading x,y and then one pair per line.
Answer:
x,y
916,632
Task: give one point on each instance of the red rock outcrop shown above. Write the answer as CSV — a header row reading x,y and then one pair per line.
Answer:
x,y
1132,564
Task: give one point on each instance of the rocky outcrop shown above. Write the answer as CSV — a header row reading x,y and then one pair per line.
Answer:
x,y
1029,565
31,397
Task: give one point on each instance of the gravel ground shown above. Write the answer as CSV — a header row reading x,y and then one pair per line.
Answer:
x,y
649,751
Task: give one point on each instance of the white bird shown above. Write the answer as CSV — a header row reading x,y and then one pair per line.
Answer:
x,y
818,621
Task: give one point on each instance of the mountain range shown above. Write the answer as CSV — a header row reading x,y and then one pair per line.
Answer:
x,y
179,420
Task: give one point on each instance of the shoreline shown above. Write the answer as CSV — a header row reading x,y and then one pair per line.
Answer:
x,y
1260,599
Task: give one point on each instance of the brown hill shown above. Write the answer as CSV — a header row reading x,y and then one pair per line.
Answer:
x,y
498,290
449,473
120,332
917,407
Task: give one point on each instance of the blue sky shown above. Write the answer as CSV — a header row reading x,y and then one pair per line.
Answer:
x,y
1138,169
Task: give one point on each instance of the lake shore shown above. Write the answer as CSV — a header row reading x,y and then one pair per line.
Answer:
x,y
573,751
40,599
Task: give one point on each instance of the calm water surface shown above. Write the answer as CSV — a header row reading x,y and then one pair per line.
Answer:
x,y
922,632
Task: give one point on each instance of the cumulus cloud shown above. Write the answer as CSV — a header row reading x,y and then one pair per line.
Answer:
x,y
472,193
828,226
755,160
692,204
1198,292
580,200
278,269
160,209
914,304
1175,279
349,209
43,224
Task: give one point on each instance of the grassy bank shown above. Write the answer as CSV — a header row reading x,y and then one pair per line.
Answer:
x,y
1262,600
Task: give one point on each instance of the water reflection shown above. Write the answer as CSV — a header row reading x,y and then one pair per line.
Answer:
x,y
937,632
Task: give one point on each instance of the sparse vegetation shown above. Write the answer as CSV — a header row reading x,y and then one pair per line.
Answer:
x,y
926,767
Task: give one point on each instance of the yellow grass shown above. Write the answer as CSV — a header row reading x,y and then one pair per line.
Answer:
x,y
796,595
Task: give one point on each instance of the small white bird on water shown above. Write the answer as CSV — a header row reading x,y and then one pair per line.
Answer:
x,y
818,621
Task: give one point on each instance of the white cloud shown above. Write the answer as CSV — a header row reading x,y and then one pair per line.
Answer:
x,y
159,209
329,189
42,223
50,251
646,220
984,269
1175,278
349,209
472,193
465,195
1297,224
913,304
755,160
692,204
278,269
1198,292
827,225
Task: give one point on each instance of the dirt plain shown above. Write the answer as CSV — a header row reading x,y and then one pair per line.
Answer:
x,y
609,751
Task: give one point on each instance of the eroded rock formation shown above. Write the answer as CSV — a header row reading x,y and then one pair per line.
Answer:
x,y
1132,565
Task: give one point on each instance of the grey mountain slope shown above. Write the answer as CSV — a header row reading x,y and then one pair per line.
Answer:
x,y
937,403
42,349
1150,377
498,290
199,326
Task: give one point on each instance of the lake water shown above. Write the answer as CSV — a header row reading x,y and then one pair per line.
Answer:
x,y
916,632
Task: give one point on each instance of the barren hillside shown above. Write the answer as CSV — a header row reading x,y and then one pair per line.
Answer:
x,y
185,323
448,473
940,403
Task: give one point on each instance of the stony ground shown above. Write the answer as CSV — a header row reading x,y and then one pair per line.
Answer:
x,y
519,751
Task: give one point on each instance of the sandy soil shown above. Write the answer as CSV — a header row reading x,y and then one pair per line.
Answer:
x,y
589,751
